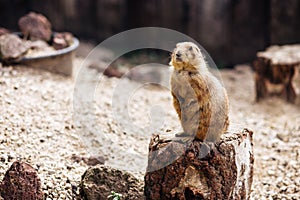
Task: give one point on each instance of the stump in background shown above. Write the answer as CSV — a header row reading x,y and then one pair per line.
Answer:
x,y
200,171
275,71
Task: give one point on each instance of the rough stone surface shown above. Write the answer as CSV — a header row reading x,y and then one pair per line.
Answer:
x,y
62,40
199,170
21,181
35,27
98,182
12,47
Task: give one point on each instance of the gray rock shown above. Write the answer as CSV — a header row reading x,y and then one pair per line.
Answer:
x,y
98,182
12,47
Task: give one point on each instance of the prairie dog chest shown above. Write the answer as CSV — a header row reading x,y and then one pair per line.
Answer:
x,y
180,85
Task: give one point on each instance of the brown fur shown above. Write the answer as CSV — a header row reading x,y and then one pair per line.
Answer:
x,y
198,97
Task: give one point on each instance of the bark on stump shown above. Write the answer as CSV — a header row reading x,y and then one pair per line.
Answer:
x,y
200,170
275,72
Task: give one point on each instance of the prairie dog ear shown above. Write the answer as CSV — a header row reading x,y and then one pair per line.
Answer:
x,y
197,49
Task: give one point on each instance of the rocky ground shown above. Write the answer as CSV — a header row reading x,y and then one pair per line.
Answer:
x,y
40,124
276,127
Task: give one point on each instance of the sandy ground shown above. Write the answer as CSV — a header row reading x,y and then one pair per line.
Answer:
x,y
47,118
276,127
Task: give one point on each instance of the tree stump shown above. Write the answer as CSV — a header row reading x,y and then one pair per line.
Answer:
x,y
198,170
275,71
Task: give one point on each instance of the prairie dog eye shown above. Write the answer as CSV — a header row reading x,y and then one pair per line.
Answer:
x,y
191,48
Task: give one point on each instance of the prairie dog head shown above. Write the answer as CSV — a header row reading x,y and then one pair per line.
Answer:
x,y
187,57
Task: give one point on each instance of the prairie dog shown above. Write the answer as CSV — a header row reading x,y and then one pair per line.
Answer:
x,y
199,99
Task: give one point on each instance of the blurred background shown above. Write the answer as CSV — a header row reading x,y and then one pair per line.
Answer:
x,y
232,31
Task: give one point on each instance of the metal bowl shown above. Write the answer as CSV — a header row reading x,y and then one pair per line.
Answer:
x,y
59,61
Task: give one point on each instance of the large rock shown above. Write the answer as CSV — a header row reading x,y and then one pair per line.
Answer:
x,y
35,27
21,181
12,47
98,182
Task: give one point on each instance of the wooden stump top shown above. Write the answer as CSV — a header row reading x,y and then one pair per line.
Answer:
x,y
282,55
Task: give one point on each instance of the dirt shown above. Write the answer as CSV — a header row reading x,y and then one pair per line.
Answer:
x,y
39,125
276,126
